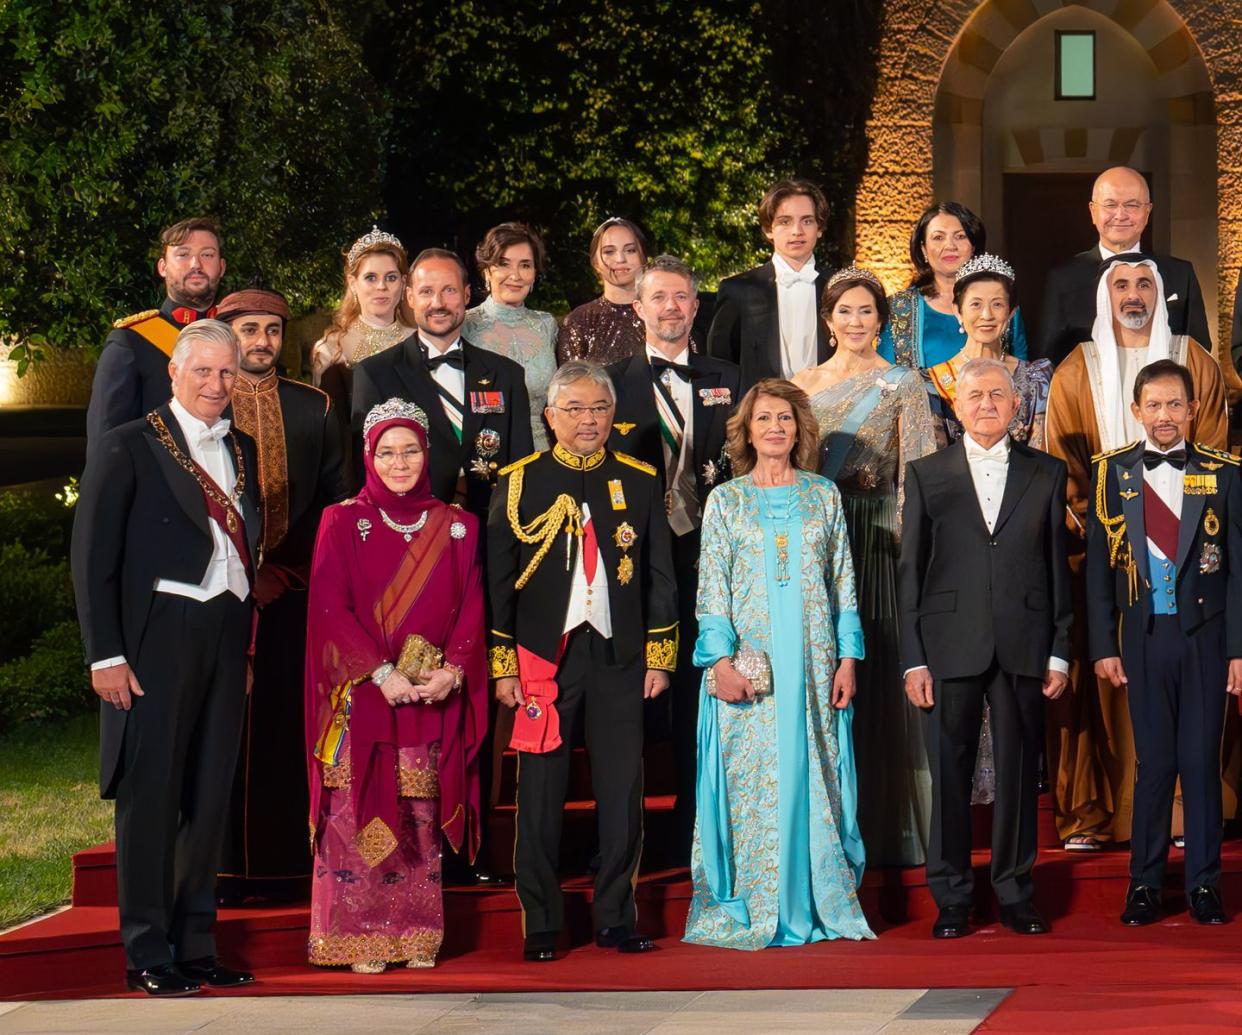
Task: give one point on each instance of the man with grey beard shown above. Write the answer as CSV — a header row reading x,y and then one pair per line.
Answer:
x,y
1090,747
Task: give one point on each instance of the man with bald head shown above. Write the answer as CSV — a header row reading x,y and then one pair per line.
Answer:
x,y
1090,744
1120,207
164,543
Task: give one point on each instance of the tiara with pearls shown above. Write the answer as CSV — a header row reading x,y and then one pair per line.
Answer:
x,y
854,273
376,236
395,409
985,263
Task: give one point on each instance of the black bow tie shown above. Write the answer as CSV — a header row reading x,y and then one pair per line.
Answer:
x,y
453,358
1176,458
658,366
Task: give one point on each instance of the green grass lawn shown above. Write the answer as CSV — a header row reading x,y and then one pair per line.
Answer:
x,y
49,809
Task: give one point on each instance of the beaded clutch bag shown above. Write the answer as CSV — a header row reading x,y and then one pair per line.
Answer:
x,y
418,655
751,664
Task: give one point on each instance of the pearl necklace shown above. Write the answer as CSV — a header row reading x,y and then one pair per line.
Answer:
x,y
405,530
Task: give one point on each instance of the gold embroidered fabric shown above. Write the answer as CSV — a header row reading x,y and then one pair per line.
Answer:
x,y
575,462
338,776
375,842
502,661
336,950
662,653
256,411
417,782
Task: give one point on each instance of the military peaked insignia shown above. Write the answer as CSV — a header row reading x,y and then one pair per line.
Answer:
x,y
1209,560
1209,465
625,537
1211,523
624,427
1128,494
616,493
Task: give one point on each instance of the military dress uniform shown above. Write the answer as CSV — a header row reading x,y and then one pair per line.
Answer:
x,y
131,377
1164,592
674,417
584,601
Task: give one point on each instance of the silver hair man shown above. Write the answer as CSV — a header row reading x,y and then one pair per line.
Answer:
x,y
981,365
579,370
213,332
666,264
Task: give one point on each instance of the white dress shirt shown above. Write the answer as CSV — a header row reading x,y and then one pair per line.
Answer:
x,y
225,571
678,387
588,601
989,471
797,310
447,377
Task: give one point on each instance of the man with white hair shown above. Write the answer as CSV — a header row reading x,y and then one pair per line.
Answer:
x,y
1091,746
165,544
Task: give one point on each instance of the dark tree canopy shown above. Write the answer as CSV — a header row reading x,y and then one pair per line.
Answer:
x,y
120,117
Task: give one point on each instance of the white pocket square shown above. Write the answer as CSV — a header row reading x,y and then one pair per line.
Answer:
x,y
1172,297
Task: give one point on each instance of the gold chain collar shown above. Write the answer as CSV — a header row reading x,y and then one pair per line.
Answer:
x,y
208,486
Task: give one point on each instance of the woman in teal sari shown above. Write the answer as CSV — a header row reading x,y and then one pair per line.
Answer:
x,y
777,855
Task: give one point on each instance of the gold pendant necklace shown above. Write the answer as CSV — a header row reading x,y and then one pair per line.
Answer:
x,y
781,537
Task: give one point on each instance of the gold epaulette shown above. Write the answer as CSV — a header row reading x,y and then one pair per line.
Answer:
x,y
1217,454
1113,452
518,463
634,462
129,321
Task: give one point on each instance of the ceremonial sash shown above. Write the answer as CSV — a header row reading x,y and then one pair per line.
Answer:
x,y
159,332
843,437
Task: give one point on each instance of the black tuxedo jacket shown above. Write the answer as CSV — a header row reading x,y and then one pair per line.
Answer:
x,y
746,327
1209,553
1068,311
140,518
967,595
623,493
636,427
402,373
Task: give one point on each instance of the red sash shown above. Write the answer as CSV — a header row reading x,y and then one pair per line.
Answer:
x,y
229,519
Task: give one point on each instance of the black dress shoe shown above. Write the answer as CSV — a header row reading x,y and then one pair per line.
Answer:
x,y
1023,918
1142,906
486,878
209,971
1205,905
623,940
164,980
952,922
539,948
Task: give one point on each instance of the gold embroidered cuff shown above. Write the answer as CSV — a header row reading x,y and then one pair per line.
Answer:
x,y
502,661
662,650
333,950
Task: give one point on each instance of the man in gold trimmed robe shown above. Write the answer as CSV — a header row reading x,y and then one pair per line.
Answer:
x,y
265,853
1091,755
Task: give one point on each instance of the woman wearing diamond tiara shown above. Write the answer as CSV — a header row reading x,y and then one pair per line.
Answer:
x,y
373,315
874,418
777,857
509,259
396,704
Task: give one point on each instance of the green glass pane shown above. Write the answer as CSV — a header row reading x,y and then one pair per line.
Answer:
x,y
1077,65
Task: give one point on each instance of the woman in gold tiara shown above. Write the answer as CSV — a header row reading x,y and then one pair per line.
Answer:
x,y
873,418
373,315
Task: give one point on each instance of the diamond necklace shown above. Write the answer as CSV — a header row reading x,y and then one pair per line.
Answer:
x,y
405,530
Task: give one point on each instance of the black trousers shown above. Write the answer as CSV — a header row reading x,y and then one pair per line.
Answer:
x,y
1177,702
172,798
683,695
610,697
951,729
265,846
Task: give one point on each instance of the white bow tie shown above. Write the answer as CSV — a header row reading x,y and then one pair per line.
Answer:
x,y
788,278
214,433
998,454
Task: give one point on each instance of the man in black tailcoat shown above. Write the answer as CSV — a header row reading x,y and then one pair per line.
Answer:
x,y
1164,611
584,623
672,407
164,544
985,612
299,473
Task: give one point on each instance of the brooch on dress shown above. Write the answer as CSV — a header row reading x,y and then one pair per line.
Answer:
x,y
364,529
457,530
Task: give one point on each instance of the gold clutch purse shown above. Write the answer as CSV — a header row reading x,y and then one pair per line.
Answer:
x,y
751,664
418,655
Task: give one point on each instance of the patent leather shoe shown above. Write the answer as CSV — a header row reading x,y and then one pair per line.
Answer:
x,y
210,971
1142,906
952,922
539,948
164,980
1206,907
1023,918
623,939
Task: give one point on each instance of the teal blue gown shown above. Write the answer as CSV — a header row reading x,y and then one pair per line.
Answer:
x,y
777,856
918,336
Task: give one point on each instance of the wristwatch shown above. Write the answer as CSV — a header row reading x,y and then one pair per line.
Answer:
x,y
381,673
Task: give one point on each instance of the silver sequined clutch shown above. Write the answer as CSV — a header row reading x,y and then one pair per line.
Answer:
x,y
751,664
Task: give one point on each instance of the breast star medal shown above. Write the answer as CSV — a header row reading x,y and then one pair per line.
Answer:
x,y
486,445
1209,561
1211,523
625,537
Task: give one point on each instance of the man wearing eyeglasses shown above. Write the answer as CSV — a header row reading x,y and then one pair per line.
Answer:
x,y
1120,207
584,621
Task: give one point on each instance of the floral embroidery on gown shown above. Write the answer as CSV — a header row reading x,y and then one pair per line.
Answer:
x,y
870,426
777,857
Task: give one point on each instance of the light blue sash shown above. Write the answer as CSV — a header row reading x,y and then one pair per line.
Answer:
x,y
833,457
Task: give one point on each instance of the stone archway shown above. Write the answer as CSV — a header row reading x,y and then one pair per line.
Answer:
x,y
935,59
